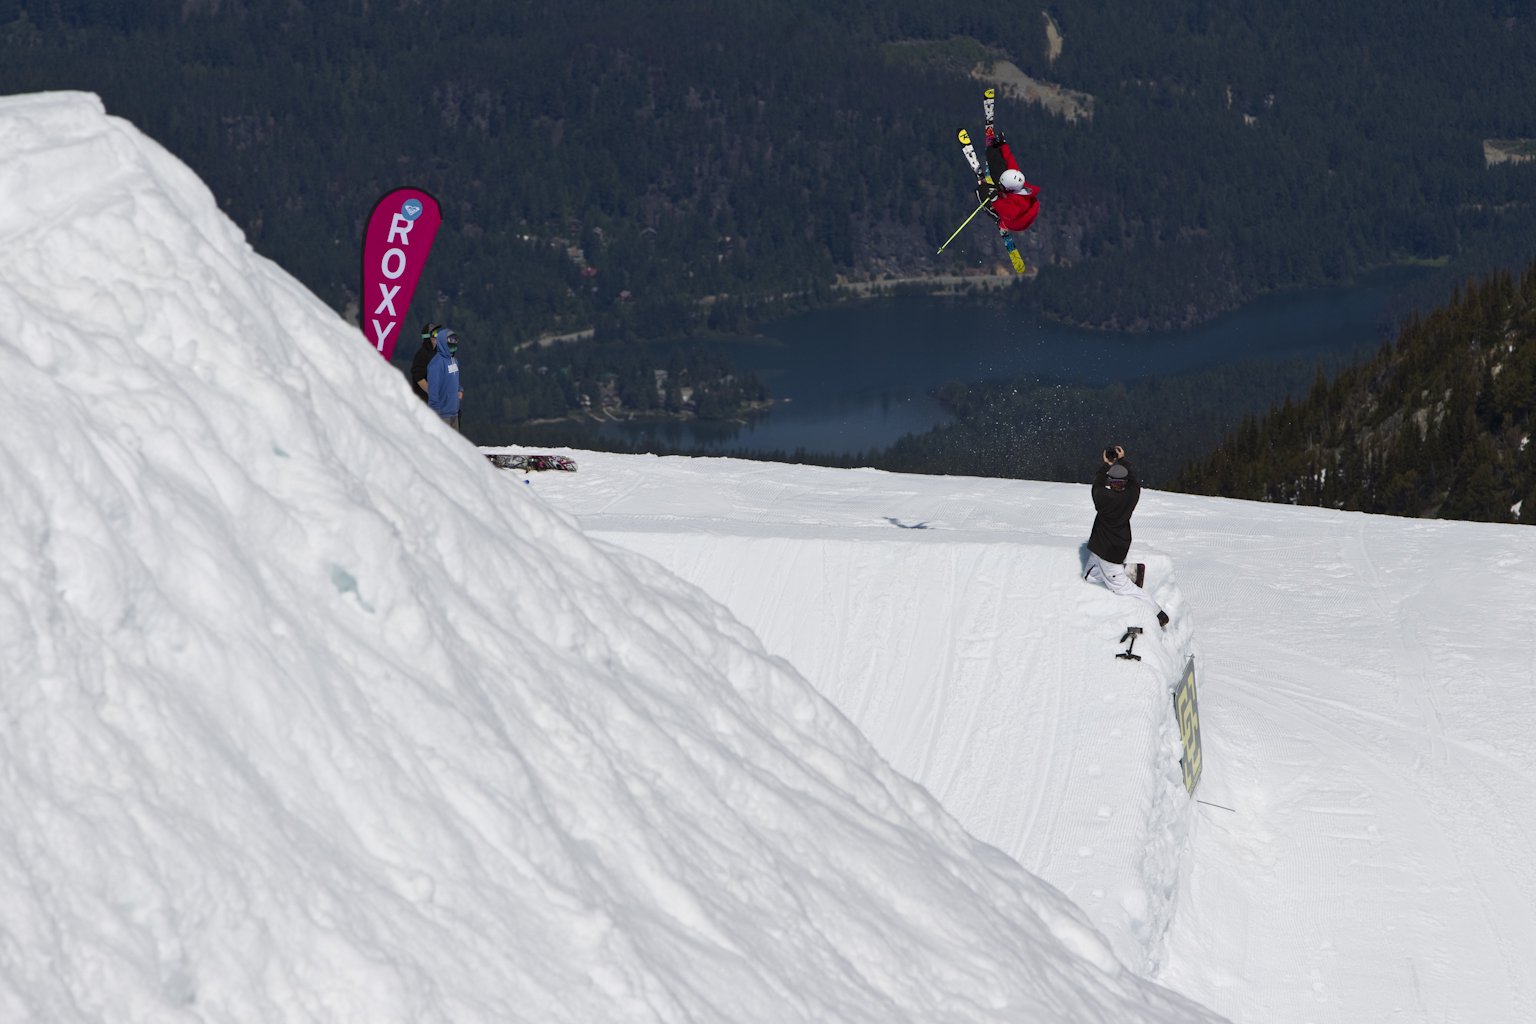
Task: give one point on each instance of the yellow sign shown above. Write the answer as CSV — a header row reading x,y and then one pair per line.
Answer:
x,y
1188,712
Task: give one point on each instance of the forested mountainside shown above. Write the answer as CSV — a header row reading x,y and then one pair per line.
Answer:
x,y
654,171
1437,425
690,149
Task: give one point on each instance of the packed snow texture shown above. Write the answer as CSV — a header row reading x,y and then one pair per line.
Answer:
x,y
1367,689
310,714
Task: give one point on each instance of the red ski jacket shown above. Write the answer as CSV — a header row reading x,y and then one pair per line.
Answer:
x,y
1016,211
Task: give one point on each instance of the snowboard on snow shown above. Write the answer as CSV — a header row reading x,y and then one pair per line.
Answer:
x,y
533,463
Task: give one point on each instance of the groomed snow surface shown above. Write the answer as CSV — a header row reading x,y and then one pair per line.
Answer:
x,y
1366,707
310,714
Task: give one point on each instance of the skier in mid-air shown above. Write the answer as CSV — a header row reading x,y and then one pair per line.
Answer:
x,y
1000,187
1013,202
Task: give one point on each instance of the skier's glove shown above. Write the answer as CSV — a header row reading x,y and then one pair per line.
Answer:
x,y
997,141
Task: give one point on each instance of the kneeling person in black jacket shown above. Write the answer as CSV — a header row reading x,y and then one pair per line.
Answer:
x,y
1115,493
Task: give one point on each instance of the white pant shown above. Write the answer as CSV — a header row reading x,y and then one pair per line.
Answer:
x,y
1113,576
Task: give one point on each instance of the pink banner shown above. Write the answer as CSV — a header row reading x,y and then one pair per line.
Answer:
x,y
395,248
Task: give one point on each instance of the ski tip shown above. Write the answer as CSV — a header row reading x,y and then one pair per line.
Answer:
x,y
989,94
965,137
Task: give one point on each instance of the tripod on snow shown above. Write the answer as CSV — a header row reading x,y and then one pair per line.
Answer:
x,y
1131,633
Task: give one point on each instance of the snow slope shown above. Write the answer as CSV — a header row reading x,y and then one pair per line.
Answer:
x,y
965,646
309,714
1367,694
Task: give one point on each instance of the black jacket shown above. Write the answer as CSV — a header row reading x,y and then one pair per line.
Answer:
x,y
419,367
1111,536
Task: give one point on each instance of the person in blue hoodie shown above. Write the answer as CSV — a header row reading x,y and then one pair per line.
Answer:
x,y
445,388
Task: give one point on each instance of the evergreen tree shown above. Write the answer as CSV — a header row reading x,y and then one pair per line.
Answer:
x,y
1437,424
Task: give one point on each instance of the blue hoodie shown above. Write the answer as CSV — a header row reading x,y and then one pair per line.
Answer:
x,y
443,384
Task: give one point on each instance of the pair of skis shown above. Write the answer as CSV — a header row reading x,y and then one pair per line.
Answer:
x,y
984,175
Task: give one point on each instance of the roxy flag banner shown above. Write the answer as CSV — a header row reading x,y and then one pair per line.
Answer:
x,y
395,248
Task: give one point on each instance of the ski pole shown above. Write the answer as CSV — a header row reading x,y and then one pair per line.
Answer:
x,y
961,228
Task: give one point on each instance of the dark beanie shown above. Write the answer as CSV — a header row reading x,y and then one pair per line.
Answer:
x,y
1118,472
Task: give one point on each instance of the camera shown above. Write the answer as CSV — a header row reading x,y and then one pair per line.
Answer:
x,y
1110,455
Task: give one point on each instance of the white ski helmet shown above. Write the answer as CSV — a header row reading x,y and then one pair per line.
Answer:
x,y
1012,180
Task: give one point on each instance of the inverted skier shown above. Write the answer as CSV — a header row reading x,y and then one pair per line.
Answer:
x,y
1013,202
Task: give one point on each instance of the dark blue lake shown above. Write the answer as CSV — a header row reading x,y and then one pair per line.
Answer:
x,y
858,377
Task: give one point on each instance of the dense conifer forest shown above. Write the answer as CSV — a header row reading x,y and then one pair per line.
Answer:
x,y
1052,430
653,172
1439,424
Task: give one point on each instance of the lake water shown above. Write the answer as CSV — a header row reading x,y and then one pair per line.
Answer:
x,y
858,377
